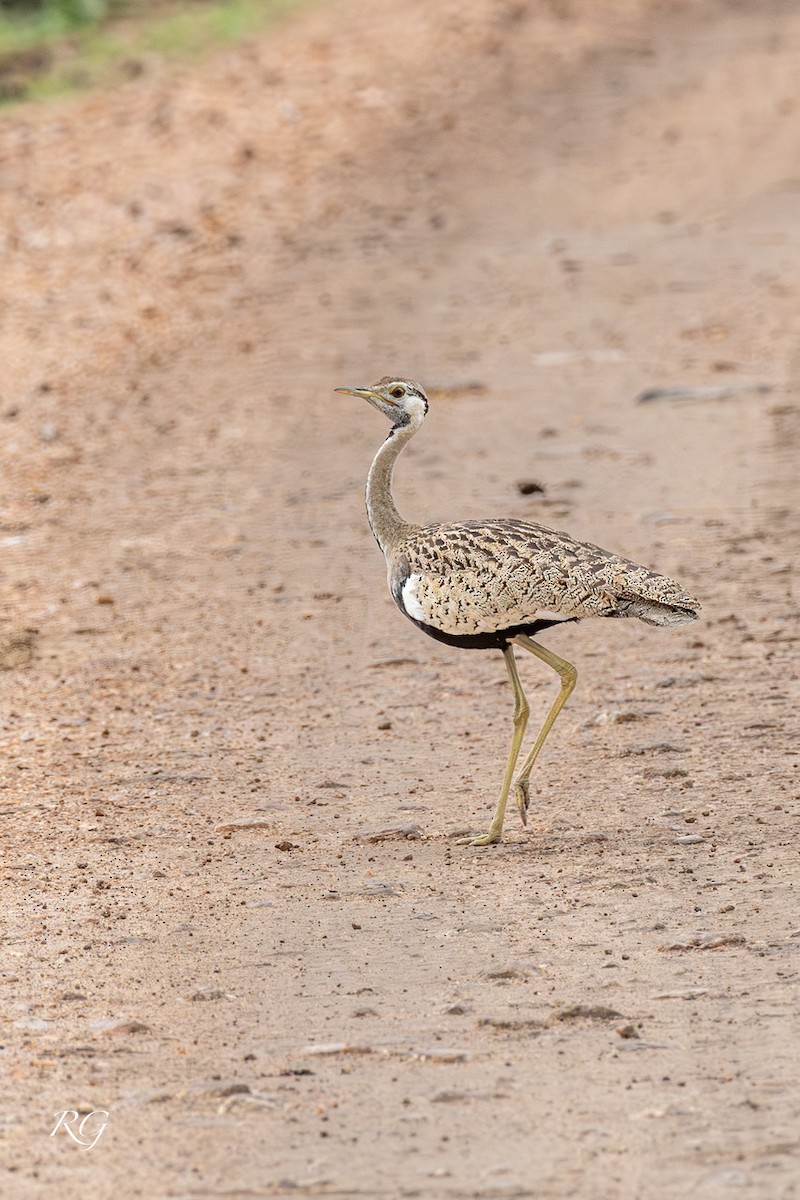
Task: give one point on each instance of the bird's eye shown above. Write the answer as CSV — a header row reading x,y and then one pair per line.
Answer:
x,y
398,392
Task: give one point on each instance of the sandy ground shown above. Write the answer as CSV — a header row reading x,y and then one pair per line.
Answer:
x,y
213,716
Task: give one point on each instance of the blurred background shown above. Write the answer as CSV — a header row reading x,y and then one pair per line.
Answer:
x,y
51,47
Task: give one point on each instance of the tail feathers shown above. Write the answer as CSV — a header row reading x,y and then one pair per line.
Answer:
x,y
658,612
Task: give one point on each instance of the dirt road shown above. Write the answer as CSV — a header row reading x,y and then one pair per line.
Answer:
x,y
213,716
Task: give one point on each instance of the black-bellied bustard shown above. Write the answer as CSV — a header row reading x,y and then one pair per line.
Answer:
x,y
496,583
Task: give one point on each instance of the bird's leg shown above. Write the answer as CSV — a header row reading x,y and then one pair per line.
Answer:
x,y
521,714
569,677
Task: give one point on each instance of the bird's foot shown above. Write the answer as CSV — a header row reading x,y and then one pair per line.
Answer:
x,y
486,839
522,794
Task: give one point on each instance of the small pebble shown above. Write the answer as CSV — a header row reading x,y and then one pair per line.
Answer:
x,y
512,971
223,1088
707,941
112,1028
442,1054
239,823
586,1012
682,994
326,1048
396,829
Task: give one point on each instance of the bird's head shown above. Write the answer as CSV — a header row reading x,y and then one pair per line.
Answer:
x,y
401,400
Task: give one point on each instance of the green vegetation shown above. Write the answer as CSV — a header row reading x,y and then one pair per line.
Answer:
x,y
52,46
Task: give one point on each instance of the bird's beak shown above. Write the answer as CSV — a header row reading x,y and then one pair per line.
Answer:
x,y
368,394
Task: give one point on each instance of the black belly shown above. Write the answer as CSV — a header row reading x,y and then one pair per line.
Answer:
x,y
497,640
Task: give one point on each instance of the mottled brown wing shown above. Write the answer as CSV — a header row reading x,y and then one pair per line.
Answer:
x,y
481,576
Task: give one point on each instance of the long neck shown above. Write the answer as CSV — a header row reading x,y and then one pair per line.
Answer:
x,y
384,519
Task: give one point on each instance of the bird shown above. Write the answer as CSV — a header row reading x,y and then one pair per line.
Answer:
x,y
498,583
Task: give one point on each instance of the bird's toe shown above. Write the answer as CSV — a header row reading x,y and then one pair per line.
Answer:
x,y
486,839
